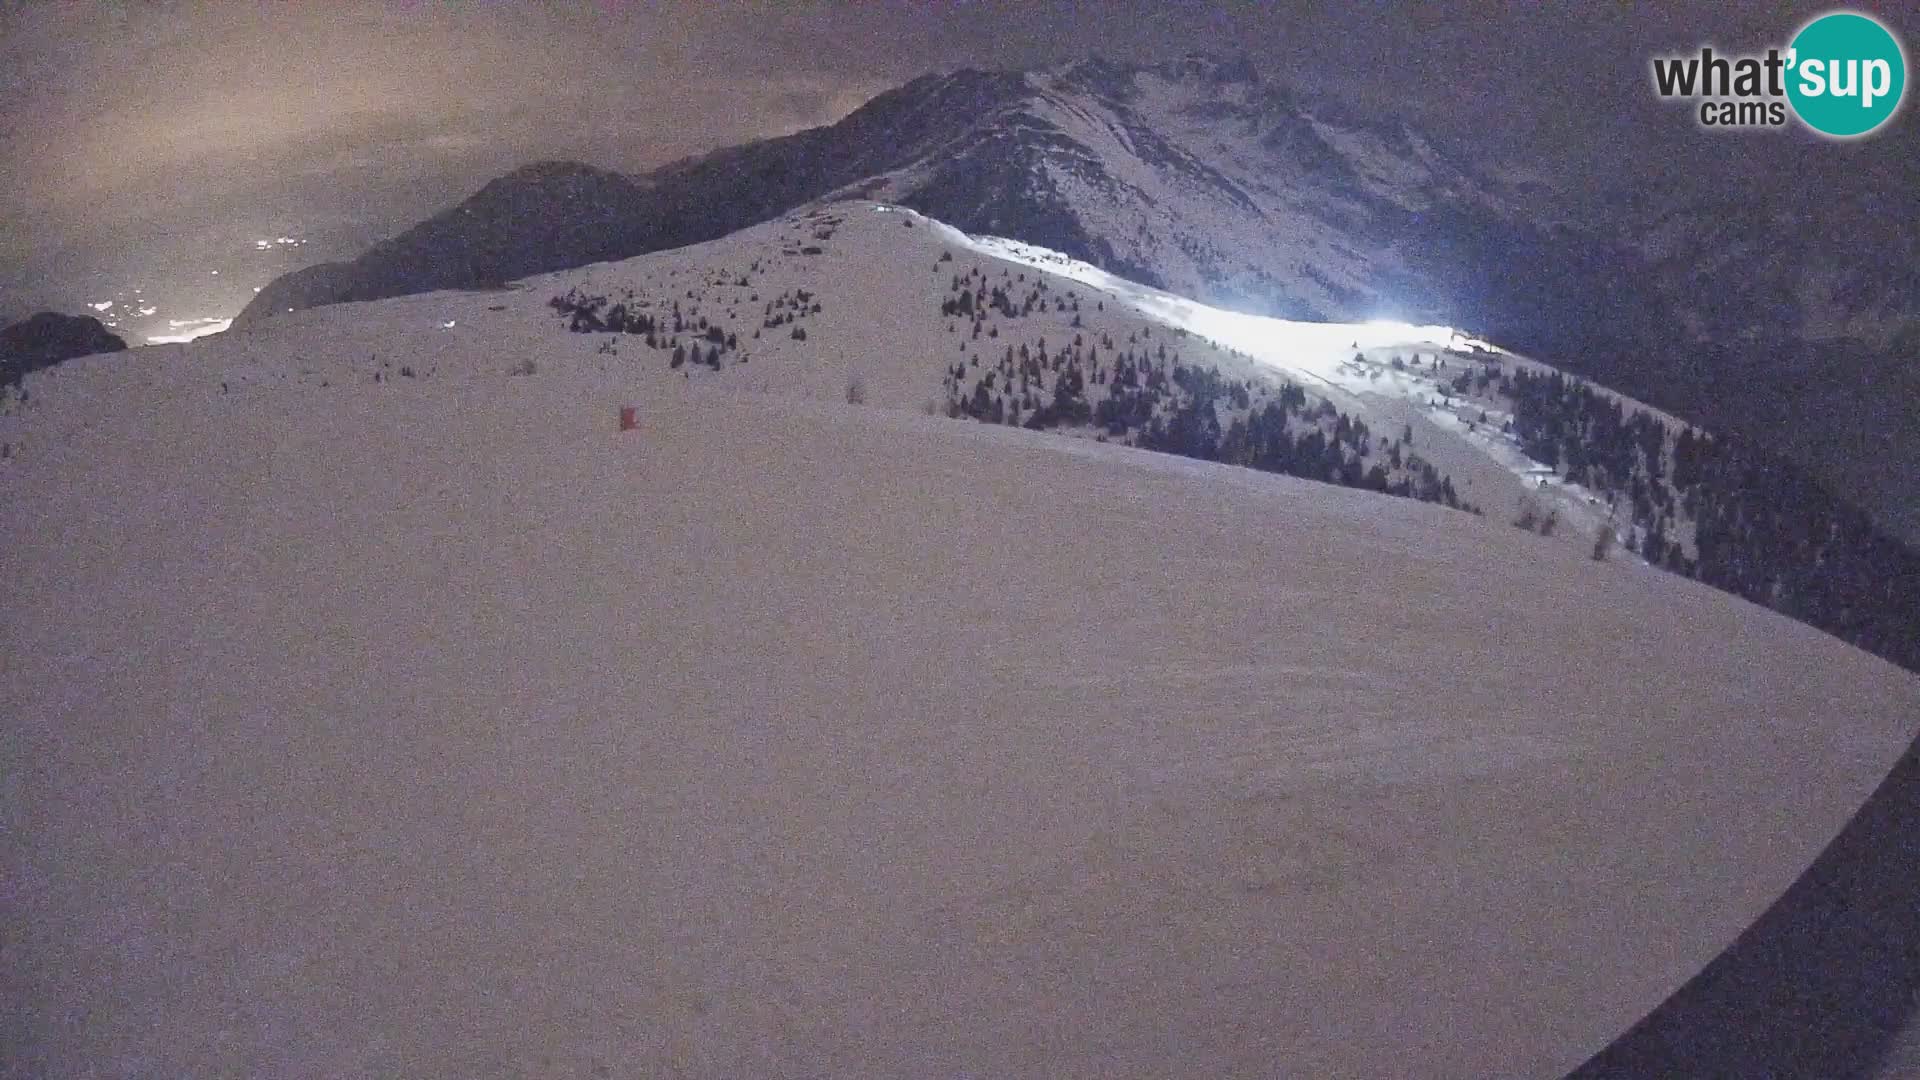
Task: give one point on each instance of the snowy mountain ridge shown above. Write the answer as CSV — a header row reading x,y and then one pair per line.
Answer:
x,y
1201,176
860,291
853,298
1195,175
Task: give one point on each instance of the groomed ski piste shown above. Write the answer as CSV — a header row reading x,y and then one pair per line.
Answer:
x,y
374,706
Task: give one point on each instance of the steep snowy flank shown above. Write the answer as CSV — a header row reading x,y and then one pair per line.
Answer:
x,y
1200,177
375,707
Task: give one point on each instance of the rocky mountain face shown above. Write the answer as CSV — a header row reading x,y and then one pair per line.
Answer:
x,y
1199,177
48,338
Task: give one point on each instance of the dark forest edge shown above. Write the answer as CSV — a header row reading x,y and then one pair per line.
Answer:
x,y
1764,529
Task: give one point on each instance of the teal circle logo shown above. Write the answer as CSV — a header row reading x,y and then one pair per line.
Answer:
x,y
1846,74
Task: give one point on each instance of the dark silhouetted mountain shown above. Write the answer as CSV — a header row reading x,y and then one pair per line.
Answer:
x,y
48,338
536,218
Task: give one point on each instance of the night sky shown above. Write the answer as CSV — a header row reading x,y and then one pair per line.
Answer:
x,y
152,144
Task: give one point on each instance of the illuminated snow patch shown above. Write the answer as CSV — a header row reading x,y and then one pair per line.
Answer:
x,y
149,311
197,328
103,305
1313,349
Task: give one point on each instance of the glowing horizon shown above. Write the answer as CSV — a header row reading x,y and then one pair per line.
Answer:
x,y
200,328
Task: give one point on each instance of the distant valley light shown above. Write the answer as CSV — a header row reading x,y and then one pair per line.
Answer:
x,y
193,328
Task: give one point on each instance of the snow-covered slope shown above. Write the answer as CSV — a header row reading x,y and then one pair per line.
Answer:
x,y
371,709
857,298
849,293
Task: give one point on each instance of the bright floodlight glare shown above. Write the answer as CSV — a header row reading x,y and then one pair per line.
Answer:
x,y
205,327
1309,348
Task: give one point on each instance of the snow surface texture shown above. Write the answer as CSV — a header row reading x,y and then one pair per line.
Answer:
x,y
370,723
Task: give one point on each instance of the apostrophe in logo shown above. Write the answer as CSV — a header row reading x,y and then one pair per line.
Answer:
x,y
1844,75
1847,74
